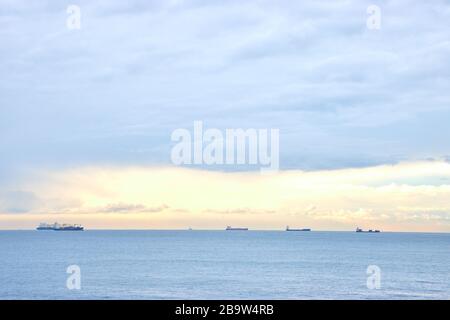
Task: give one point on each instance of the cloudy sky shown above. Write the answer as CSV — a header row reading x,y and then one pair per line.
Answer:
x,y
91,110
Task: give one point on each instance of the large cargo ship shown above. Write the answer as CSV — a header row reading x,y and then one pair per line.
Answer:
x,y
60,227
293,229
236,229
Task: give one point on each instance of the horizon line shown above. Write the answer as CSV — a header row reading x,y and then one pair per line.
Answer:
x,y
260,230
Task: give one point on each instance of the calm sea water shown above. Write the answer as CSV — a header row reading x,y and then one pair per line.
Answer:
x,y
223,265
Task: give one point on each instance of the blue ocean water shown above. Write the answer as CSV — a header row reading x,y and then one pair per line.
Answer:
x,y
223,265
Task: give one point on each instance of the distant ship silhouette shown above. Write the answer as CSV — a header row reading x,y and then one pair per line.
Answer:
x,y
235,229
293,229
60,227
358,229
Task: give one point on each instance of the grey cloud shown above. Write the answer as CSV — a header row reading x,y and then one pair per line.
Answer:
x,y
18,201
130,208
340,94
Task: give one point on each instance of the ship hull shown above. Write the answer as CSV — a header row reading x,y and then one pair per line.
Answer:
x,y
60,228
69,229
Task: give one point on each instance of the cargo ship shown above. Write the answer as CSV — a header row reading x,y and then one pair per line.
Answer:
x,y
293,229
235,229
370,230
60,227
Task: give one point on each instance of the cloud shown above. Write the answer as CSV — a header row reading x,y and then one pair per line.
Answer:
x,y
129,208
18,201
407,197
240,211
341,95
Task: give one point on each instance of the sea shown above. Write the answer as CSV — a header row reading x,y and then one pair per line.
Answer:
x,y
191,264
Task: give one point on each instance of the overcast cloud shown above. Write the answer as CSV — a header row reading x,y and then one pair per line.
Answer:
x,y
112,92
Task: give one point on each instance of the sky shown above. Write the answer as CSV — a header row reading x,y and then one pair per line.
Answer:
x,y
86,115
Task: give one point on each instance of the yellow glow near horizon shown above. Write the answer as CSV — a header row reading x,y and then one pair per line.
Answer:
x,y
403,197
